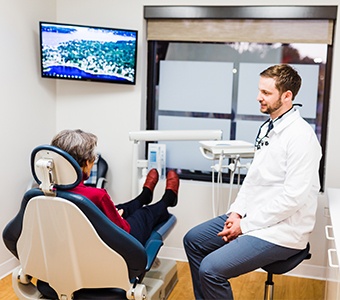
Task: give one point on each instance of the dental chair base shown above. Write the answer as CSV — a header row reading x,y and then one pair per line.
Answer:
x,y
166,272
159,283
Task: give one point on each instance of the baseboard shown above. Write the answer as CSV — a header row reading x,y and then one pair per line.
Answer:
x,y
173,253
309,271
8,266
304,270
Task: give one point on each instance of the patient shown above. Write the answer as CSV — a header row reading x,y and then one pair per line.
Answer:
x,y
136,216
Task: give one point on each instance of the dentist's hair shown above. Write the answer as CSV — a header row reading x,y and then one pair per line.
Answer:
x,y
286,78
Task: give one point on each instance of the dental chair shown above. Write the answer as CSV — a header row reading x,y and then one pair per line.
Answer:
x,y
68,249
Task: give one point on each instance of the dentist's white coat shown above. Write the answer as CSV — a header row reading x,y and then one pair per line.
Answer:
x,y
278,198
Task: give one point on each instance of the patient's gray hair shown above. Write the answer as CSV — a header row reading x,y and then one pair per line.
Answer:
x,y
79,144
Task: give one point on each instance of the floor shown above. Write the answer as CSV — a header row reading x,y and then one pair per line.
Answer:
x,y
251,286
246,287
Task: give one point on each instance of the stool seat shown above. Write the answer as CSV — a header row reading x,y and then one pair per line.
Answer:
x,y
281,267
284,266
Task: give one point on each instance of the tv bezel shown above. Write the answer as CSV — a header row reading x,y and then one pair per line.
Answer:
x,y
114,81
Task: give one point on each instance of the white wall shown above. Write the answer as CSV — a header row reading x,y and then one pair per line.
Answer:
x,y
27,104
110,111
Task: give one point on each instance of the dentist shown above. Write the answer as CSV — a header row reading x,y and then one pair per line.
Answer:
x,y
274,212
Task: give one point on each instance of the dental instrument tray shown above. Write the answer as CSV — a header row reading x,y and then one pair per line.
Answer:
x,y
230,148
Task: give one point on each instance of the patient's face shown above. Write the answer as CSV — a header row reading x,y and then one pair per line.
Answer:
x,y
88,167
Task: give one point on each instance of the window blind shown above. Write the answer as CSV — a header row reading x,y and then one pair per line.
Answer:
x,y
241,30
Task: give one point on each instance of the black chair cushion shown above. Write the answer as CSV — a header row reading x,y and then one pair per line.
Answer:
x,y
284,266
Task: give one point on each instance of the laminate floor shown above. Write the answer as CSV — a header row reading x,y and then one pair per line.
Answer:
x,y
251,286
246,287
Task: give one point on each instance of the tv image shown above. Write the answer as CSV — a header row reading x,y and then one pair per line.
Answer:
x,y
90,53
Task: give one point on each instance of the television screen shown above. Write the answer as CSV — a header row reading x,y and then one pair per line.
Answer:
x,y
88,53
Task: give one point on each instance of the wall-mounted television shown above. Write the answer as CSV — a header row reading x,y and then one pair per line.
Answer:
x,y
91,53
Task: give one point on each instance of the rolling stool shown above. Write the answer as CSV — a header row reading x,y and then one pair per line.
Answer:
x,y
281,267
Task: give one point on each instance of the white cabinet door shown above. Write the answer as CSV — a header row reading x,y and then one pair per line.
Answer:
x,y
333,245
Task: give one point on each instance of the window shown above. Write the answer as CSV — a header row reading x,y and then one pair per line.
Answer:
x,y
203,74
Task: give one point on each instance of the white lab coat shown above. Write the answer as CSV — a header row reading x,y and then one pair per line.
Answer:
x,y
278,198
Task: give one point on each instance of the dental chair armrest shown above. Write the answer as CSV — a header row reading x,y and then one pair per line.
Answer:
x,y
100,183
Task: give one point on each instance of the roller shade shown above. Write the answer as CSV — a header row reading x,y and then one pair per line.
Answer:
x,y
245,30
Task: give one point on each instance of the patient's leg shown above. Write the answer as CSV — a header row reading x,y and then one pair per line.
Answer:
x,y
144,198
145,219
130,207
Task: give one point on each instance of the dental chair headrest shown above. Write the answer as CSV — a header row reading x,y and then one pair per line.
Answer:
x,y
53,168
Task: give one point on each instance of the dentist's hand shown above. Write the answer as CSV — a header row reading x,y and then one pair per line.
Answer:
x,y
231,228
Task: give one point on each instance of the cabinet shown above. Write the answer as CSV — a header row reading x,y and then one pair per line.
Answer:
x,y
332,232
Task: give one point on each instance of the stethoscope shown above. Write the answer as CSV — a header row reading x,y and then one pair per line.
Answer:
x,y
263,141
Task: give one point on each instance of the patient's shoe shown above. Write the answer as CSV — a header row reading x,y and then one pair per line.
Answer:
x,y
172,184
151,179
172,181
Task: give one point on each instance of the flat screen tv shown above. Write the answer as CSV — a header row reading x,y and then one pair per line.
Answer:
x,y
89,53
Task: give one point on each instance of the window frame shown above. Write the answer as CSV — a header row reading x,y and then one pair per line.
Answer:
x,y
243,12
